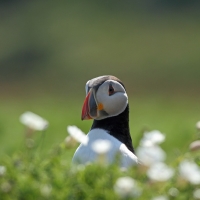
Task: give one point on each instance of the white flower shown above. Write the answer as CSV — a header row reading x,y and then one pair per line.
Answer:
x,y
101,146
173,192
127,187
190,171
46,190
196,194
2,170
198,125
160,172
150,154
152,138
70,141
6,187
160,198
77,134
194,146
33,121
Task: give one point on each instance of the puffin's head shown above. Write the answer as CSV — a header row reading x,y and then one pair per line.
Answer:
x,y
105,97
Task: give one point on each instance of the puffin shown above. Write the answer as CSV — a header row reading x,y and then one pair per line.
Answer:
x,y
107,104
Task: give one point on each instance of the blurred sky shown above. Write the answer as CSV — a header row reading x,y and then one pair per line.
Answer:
x,y
56,46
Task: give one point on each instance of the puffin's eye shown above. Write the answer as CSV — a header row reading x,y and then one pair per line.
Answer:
x,y
111,90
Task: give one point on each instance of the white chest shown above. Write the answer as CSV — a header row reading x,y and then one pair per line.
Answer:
x,y
85,153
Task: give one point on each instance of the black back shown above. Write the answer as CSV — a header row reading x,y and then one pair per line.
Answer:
x,y
118,127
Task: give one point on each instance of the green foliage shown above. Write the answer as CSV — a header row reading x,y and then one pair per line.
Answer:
x,y
30,176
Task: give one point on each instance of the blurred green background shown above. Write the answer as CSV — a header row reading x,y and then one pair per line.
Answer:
x,y
49,49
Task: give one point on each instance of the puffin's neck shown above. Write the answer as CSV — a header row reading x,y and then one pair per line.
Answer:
x,y
117,126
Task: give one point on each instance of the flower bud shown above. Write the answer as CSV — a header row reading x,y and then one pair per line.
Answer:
x,y
195,146
198,125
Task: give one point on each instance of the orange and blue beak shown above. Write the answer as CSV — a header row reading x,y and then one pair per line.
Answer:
x,y
89,110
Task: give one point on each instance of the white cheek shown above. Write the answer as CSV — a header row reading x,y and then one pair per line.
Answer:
x,y
114,104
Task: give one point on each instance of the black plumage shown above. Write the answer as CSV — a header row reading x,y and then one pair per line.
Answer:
x,y
118,127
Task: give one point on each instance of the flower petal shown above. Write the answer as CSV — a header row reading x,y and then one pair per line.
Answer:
x,y
127,187
101,146
160,172
77,134
33,121
190,171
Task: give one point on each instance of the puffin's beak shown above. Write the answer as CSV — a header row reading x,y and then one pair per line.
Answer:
x,y
89,110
